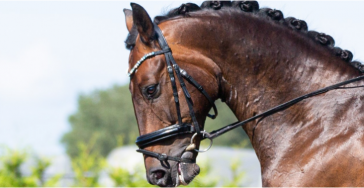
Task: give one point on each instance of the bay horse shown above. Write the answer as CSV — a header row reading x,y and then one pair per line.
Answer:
x,y
253,59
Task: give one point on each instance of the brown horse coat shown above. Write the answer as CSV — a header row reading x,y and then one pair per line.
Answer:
x,y
254,60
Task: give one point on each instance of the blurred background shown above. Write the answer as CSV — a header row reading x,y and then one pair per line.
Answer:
x,y
66,117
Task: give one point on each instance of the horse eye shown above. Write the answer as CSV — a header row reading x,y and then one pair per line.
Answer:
x,y
150,91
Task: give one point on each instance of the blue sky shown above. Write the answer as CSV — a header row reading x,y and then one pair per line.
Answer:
x,y
50,52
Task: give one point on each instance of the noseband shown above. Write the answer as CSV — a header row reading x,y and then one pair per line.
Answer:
x,y
183,128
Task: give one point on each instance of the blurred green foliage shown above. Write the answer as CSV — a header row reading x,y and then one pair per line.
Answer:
x,y
11,175
110,114
236,175
89,165
204,179
124,178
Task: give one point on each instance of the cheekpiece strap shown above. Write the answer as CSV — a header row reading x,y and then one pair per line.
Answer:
x,y
171,64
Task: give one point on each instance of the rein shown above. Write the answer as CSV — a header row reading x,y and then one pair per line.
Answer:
x,y
183,128
283,106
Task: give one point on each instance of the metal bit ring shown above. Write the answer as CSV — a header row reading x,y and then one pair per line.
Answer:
x,y
208,137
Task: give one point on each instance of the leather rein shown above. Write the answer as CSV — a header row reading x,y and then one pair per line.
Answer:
x,y
183,128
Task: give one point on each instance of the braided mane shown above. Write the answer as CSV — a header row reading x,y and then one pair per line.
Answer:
x,y
253,8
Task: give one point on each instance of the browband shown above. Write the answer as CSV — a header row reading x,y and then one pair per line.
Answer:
x,y
151,54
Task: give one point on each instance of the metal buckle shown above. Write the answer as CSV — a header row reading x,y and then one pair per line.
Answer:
x,y
208,137
162,157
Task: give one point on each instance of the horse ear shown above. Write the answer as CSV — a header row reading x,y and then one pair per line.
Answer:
x,y
128,19
143,23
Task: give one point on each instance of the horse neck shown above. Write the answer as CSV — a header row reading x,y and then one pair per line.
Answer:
x,y
263,63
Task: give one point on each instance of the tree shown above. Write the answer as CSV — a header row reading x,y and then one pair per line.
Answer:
x,y
109,113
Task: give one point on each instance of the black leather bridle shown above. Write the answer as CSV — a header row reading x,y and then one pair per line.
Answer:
x,y
183,128
180,128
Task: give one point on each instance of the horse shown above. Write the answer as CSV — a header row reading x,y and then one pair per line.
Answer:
x,y
253,59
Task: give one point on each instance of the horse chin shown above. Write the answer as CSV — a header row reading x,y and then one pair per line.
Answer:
x,y
187,171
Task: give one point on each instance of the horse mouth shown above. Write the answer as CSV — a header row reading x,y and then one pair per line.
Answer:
x,y
186,172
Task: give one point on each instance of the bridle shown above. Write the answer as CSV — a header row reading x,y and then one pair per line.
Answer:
x,y
183,128
180,128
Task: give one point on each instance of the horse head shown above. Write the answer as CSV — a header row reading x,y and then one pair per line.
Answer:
x,y
168,108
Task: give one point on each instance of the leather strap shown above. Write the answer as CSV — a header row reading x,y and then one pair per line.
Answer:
x,y
163,157
161,134
200,88
170,60
281,107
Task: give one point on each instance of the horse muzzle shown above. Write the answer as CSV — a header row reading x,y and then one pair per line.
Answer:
x,y
187,171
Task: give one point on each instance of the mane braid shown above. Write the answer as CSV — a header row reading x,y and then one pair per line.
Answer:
x,y
253,7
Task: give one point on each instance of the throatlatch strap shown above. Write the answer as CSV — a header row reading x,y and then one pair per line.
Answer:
x,y
200,88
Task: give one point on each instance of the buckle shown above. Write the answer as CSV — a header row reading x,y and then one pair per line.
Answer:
x,y
162,157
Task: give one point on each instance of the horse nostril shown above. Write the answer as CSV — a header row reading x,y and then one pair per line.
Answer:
x,y
159,174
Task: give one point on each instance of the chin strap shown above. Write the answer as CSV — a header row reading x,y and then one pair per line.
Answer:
x,y
163,157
